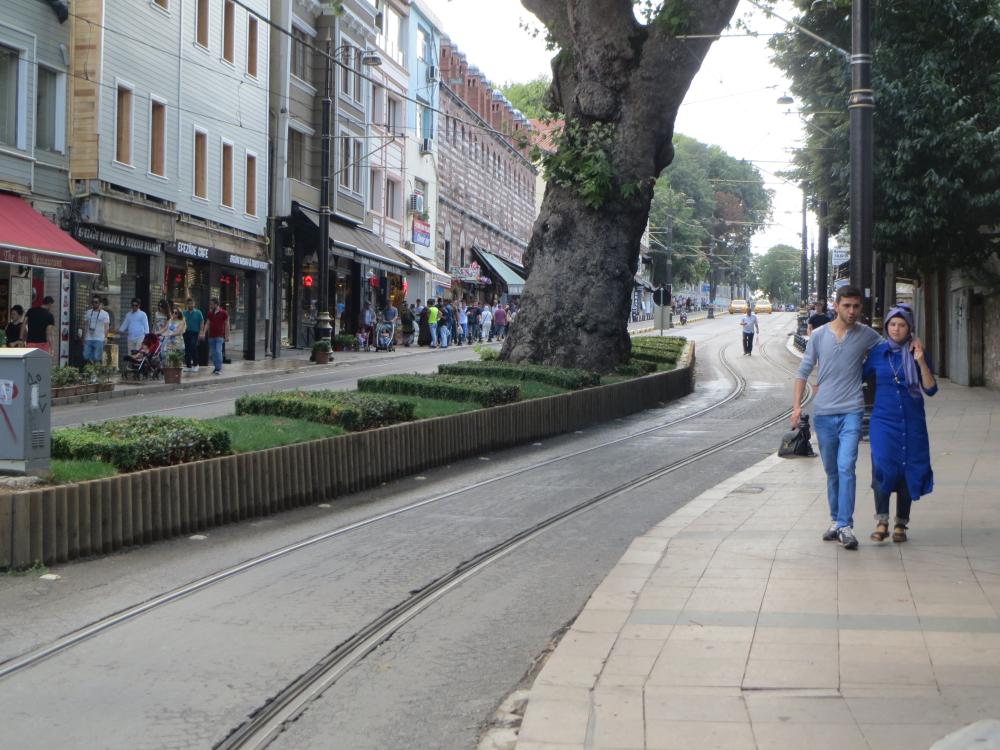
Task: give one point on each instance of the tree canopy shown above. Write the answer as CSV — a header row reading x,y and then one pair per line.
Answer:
x,y
776,273
529,97
936,76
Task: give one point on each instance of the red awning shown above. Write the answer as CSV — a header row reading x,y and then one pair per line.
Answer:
x,y
29,239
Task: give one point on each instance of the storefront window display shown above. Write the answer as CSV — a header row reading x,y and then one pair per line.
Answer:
x,y
230,286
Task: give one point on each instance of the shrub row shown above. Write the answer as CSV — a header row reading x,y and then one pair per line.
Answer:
x,y
450,387
635,368
141,442
559,376
663,357
352,411
656,343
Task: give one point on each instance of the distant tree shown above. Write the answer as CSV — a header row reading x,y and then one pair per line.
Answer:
x,y
937,124
776,273
529,97
618,81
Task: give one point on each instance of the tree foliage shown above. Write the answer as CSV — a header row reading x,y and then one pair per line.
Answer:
x,y
529,97
715,203
936,76
776,273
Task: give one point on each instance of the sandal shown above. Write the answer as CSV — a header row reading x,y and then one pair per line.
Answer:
x,y
881,532
899,533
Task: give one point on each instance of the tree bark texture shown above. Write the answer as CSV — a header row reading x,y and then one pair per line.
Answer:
x,y
581,261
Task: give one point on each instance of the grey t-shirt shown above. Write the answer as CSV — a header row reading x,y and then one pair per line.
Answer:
x,y
839,367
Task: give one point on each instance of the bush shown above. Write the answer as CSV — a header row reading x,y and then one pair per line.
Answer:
x,y
560,376
322,345
141,442
486,353
636,368
450,387
663,357
352,411
653,343
99,373
63,377
346,342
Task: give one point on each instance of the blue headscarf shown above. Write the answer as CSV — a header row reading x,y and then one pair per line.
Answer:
x,y
910,369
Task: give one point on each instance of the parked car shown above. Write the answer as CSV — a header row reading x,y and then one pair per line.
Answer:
x,y
762,306
738,307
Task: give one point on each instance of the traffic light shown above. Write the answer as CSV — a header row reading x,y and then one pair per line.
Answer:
x,y
661,296
659,259
307,280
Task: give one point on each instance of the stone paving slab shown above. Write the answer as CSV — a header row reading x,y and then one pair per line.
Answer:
x,y
732,625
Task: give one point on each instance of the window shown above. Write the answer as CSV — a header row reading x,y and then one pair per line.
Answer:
x,y
391,37
358,80
358,153
157,137
296,155
226,167
420,188
162,3
229,31
378,106
345,161
300,54
9,74
425,121
392,199
392,110
201,24
252,46
251,198
47,110
375,190
447,256
424,51
346,78
123,126
200,164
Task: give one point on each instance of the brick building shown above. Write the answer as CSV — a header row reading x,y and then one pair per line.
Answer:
x,y
486,183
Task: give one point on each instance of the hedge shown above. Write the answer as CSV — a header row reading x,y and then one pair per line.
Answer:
x,y
352,411
563,377
636,368
655,343
141,442
661,357
451,387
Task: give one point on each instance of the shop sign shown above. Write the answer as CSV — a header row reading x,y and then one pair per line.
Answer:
x,y
190,250
840,256
117,240
471,272
241,261
421,232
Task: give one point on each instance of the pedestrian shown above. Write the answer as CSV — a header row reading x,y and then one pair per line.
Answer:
x,y
433,314
839,348
486,320
446,321
500,321
472,313
217,333
750,325
14,330
193,322
408,320
418,323
901,453
41,326
161,318
368,324
463,323
96,332
173,339
135,325
818,319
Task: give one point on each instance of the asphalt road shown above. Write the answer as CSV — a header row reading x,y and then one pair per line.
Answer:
x,y
184,675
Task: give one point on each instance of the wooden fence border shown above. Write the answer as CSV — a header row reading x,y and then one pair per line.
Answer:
x,y
57,524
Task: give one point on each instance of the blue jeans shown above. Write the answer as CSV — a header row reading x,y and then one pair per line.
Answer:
x,y
434,331
839,435
444,334
215,352
93,350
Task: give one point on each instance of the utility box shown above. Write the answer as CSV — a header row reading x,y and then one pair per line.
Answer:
x,y
25,410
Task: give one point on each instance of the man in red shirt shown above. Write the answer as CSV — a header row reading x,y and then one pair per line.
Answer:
x,y
217,331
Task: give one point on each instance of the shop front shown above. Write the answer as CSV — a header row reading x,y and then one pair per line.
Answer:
x,y
470,284
507,284
237,281
38,260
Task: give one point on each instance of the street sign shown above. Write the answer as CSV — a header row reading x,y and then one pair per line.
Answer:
x,y
840,256
661,296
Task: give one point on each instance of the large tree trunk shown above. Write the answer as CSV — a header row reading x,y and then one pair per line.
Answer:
x,y
581,260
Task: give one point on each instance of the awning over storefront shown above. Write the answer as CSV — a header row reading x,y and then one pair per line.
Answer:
x,y
513,280
365,245
29,239
422,264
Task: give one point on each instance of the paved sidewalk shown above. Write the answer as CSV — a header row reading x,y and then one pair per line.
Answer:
x,y
731,625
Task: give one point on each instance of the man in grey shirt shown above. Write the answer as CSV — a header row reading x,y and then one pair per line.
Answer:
x,y
840,349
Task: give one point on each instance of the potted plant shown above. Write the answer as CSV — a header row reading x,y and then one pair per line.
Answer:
x,y
65,381
321,351
172,367
345,342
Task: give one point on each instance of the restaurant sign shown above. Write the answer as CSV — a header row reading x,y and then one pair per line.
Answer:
x,y
471,272
421,232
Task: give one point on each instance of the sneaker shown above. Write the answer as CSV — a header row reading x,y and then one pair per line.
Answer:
x,y
194,369
830,535
216,372
846,538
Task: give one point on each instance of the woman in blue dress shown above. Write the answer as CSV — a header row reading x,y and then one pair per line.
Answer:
x,y
901,460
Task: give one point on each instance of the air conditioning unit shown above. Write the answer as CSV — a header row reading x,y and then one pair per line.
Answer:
x,y
416,204
427,146
432,73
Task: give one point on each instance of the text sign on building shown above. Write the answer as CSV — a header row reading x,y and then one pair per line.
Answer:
x,y
190,250
117,240
421,232
840,256
471,272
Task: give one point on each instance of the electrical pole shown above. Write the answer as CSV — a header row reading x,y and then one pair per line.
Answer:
x,y
324,329
804,266
823,256
861,105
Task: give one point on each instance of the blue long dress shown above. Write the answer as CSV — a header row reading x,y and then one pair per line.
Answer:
x,y
899,443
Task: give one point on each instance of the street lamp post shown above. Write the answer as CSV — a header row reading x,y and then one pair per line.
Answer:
x,y
804,262
823,256
324,326
861,105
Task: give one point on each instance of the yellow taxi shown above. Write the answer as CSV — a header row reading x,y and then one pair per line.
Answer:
x,y
738,307
762,306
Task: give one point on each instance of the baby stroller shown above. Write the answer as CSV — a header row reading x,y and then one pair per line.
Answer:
x,y
385,337
144,363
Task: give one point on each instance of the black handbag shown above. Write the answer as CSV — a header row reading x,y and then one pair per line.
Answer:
x,y
796,443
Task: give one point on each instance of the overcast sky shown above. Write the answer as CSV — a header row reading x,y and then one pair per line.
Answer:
x,y
732,101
